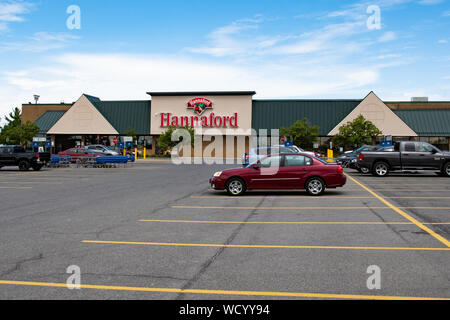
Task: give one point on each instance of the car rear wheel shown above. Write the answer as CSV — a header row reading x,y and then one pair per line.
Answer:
x,y
315,186
446,169
235,187
24,165
380,169
37,167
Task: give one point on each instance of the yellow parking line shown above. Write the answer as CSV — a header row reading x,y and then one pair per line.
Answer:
x,y
276,208
418,198
225,197
16,188
426,208
409,190
287,222
29,182
219,292
305,197
258,246
403,213
409,184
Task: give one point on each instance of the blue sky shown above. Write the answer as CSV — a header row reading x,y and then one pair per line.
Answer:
x,y
281,49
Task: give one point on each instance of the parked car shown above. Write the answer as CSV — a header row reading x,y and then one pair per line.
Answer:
x,y
257,153
79,153
281,171
18,156
407,156
349,159
300,150
102,149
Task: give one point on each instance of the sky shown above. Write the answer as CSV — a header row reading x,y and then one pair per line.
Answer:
x,y
119,50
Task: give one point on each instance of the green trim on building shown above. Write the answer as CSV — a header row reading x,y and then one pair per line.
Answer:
x,y
126,115
48,120
327,114
427,122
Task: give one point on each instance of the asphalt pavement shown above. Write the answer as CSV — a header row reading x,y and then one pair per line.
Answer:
x,y
156,231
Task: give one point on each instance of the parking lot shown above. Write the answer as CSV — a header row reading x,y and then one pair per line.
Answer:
x,y
156,231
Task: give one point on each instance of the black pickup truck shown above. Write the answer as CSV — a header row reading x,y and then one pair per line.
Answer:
x,y
11,156
406,156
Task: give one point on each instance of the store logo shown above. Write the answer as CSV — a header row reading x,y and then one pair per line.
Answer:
x,y
200,105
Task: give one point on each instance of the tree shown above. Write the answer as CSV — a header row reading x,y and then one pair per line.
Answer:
x,y
356,133
15,132
301,133
131,133
165,140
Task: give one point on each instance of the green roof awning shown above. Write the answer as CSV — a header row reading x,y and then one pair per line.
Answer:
x,y
431,123
327,114
48,120
126,115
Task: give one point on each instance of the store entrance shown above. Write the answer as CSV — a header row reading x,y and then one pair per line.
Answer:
x,y
64,142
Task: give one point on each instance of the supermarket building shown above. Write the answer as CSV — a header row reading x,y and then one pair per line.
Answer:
x,y
91,120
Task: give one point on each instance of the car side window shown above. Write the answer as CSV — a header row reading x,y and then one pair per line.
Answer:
x,y
297,161
424,147
294,161
270,162
410,147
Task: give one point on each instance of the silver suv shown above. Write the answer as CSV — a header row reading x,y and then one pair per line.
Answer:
x,y
104,150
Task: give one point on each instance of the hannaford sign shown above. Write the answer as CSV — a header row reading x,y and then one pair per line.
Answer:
x,y
199,105
168,120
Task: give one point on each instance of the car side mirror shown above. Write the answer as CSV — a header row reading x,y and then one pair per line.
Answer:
x,y
434,151
256,167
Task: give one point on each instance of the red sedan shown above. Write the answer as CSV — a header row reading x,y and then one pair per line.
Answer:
x,y
79,153
281,171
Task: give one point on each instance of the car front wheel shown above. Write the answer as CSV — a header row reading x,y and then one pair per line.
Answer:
x,y
315,186
446,169
235,187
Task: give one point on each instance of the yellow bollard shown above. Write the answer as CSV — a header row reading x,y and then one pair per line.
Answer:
x,y
330,156
145,153
135,154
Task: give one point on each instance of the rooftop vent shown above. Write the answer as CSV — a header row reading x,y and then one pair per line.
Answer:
x,y
419,99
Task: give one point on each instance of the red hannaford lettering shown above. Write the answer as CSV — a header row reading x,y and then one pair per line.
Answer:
x,y
211,121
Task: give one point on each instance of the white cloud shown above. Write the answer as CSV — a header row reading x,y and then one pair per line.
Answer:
x,y
388,36
112,76
430,2
442,41
39,42
13,11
